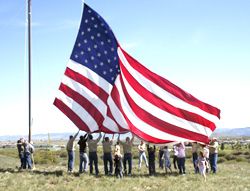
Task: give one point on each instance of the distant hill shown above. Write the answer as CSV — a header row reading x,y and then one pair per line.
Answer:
x,y
44,137
220,132
53,136
236,132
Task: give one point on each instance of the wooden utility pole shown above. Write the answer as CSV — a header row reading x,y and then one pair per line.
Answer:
x,y
29,65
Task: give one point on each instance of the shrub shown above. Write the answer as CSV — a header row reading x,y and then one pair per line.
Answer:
x,y
63,155
222,147
221,160
222,153
247,157
240,159
237,153
246,153
45,157
230,157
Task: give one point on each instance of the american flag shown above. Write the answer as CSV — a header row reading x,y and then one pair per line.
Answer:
x,y
104,89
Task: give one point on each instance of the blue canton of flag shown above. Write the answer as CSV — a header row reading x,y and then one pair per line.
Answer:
x,y
96,46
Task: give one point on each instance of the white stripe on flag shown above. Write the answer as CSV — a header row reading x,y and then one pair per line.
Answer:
x,y
141,125
78,110
85,92
84,71
118,116
163,115
110,124
163,94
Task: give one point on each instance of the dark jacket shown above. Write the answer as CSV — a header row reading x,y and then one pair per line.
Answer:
x,y
151,153
83,143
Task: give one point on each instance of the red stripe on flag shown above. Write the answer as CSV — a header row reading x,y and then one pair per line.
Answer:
x,y
158,102
121,129
86,104
115,95
71,115
88,84
145,136
160,124
170,87
105,130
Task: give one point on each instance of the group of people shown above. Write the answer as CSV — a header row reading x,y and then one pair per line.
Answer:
x,y
92,159
205,157
25,153
112,158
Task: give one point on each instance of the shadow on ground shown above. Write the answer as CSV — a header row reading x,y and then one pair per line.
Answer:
x,y
42,172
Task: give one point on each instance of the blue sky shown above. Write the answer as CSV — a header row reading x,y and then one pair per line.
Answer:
x,y
201,46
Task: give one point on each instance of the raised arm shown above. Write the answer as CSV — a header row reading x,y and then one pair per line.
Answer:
x,y
119,140
76,134
112,140
132,139
99,138
103,137
85,137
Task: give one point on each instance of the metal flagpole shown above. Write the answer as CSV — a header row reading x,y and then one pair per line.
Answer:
x,y
29,64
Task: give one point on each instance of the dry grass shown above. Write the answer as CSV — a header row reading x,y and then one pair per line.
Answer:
x,y
231,176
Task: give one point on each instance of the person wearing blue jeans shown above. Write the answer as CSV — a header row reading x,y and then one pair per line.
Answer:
x,y
213,154
181,165
20,149
181,157
107,154
213,162
127,151
175,156
84,159
71,156
70,149
28,150
160,155
195,148
93,159
93,153
142,154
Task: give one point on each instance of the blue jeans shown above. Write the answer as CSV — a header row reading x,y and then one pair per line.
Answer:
x,y
195,158
93,158
107,158
27,160
181,165
175,161
142,155
83,160
160,159
22,160
213,161
71,160
127,158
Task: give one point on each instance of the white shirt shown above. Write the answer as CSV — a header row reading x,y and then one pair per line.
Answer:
x,y
181,151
